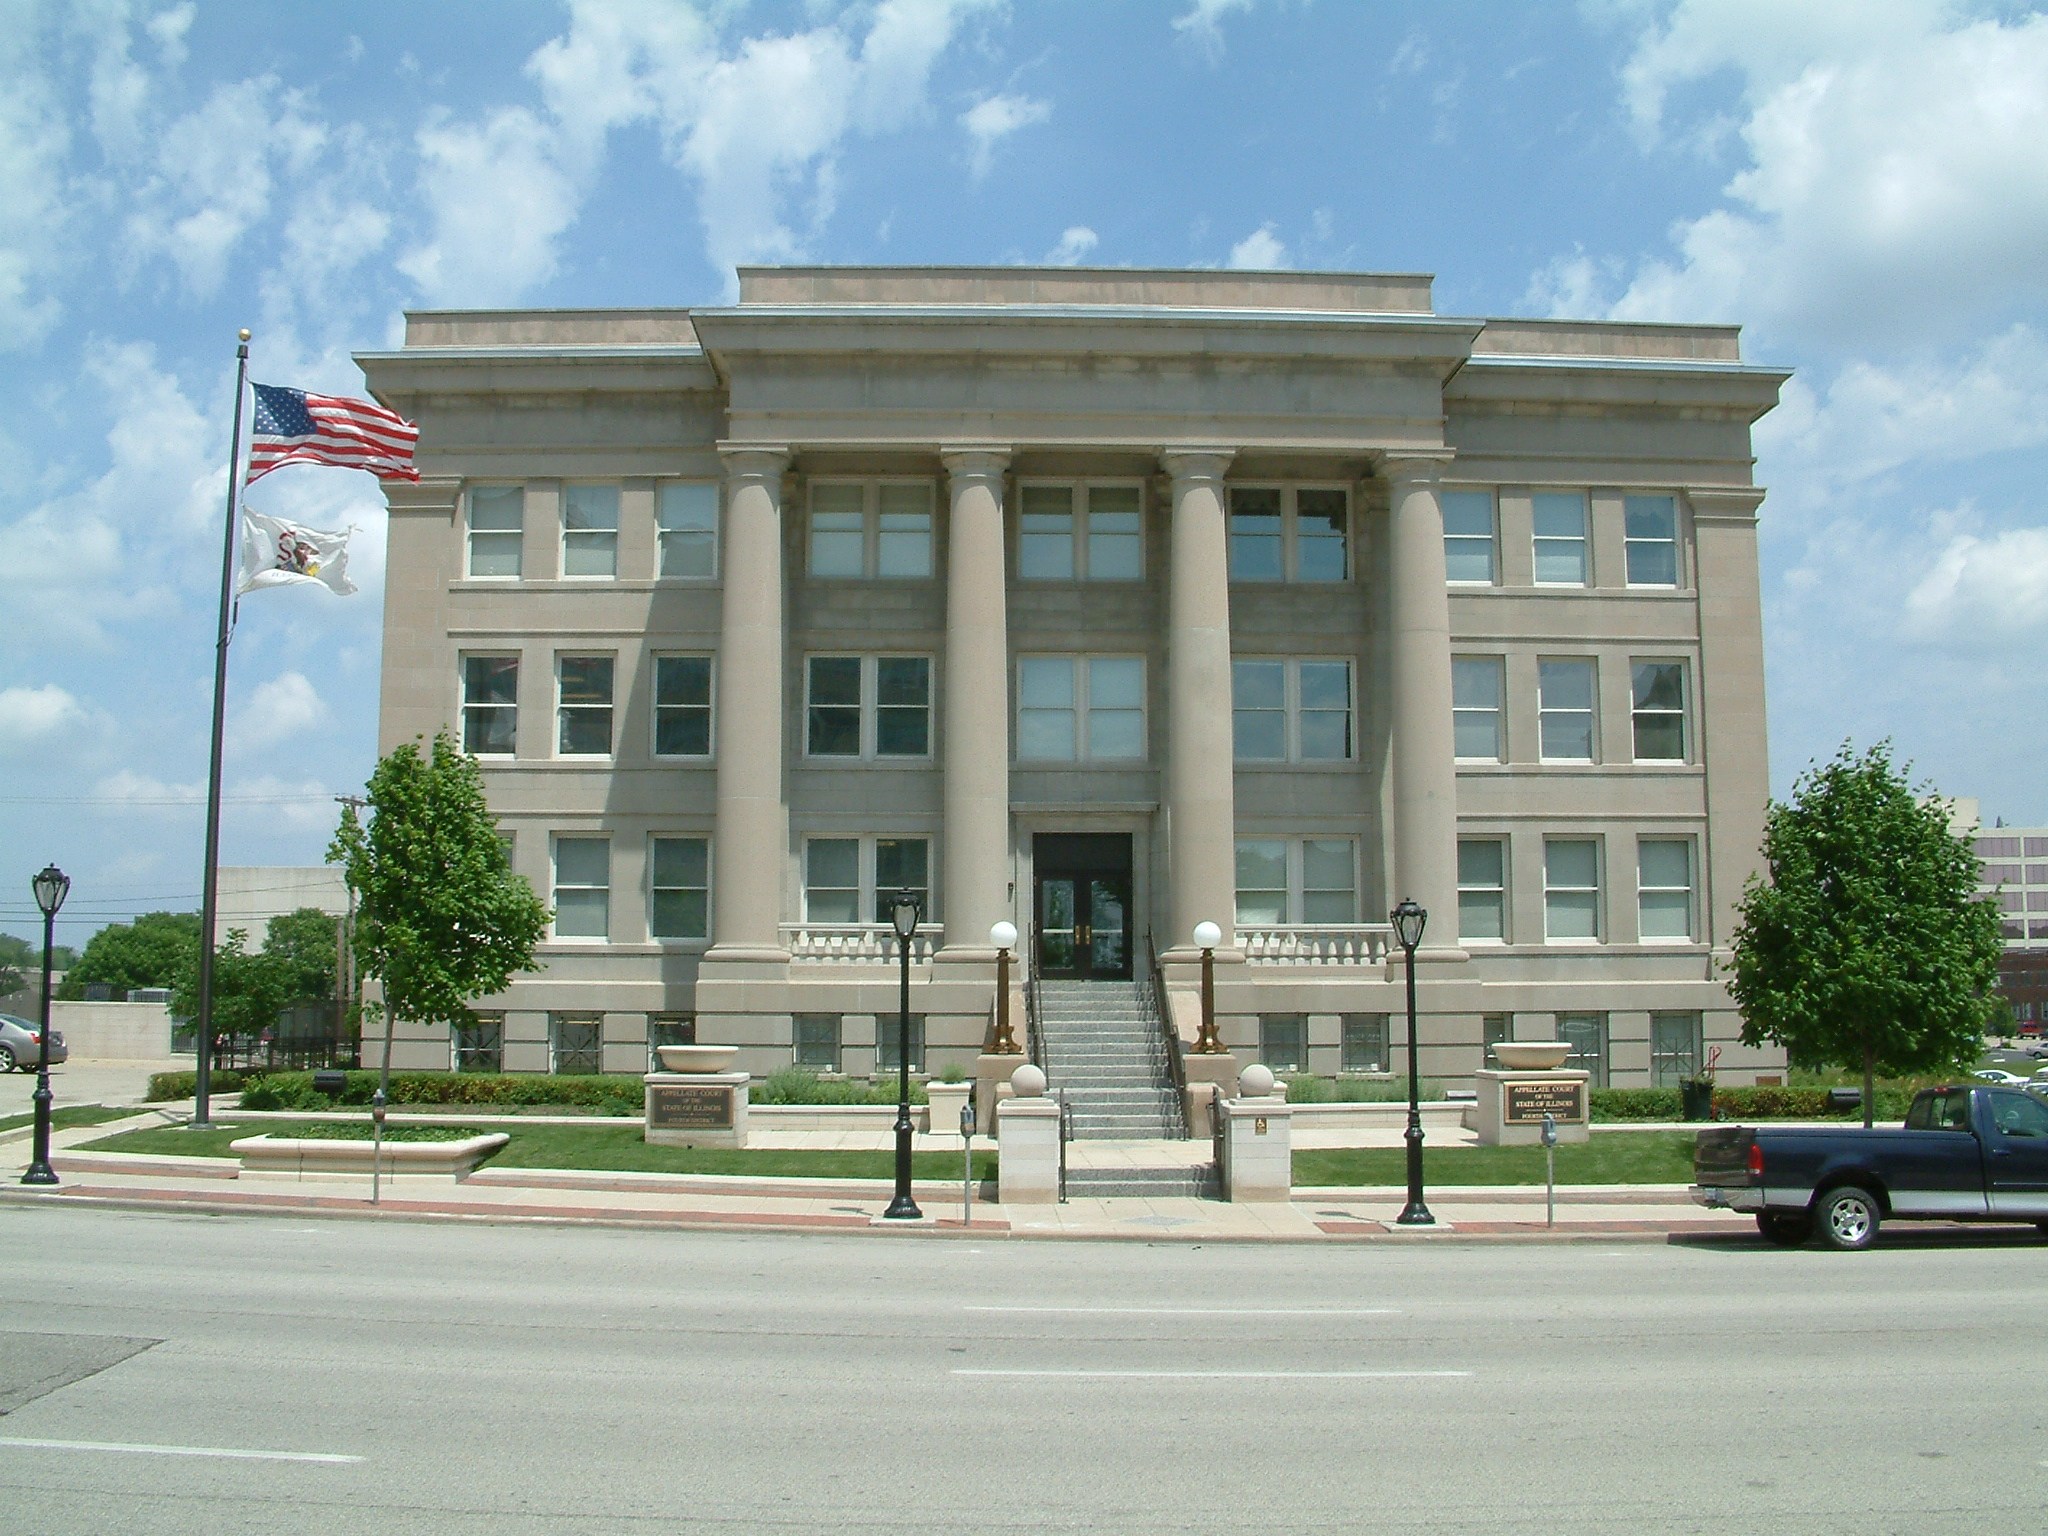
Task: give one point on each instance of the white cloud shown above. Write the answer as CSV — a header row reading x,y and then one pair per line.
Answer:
x,y
1983,589
37,718
286,706
1261,250
994,118
34,142
1074,246
168,28
499,199
1202,24
126,788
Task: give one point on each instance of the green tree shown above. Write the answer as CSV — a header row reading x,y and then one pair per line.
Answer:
x,y
304,942
18,962
145,953
249,989
1868,944
441,920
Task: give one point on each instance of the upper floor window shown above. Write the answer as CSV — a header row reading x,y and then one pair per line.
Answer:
x,y
679,888
868,706
879,528
1658,714
1295,710
1650,538
1085,532
682,706
490,705
1565,694
1311,880
590,530
1664,888
846,876
1560,521
497,528
584,709
1289,533
686,520
1469,537
1476,689
1482,888
1080,708
583,887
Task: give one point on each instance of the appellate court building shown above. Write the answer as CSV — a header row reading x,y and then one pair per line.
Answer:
x,y
1105,603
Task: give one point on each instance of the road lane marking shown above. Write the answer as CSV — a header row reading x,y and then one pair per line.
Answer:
x,y
223,1452
1198,1311
1197,1375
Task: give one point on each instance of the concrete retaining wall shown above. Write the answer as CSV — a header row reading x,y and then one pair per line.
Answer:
x,y
113,1031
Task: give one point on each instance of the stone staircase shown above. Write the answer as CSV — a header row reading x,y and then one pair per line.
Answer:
x,y
1105,1058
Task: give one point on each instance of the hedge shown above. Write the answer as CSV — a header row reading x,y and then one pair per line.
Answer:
x,y
183,1085
1664,1104
604,1095
794,1085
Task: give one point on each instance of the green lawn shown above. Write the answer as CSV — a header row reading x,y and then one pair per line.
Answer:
x,y
1612,1157
597,1148
70,1115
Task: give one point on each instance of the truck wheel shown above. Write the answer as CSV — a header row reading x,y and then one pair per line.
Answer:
x,y
1849,1217
1787,1231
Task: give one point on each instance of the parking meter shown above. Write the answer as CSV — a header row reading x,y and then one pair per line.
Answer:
x,y
967,1161
1550,1170
1550,1130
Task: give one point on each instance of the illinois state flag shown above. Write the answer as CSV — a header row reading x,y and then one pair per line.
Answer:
x,y
292,426
276,553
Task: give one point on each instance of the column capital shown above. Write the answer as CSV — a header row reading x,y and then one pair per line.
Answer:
x,y
754,461
976,461
1194,464
429,493
1725,503
1412,464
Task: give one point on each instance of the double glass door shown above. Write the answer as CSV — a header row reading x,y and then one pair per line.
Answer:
x,y
1083,905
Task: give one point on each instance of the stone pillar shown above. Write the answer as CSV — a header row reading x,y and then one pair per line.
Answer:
x,y
1425,786
1201,832
976,751
750,839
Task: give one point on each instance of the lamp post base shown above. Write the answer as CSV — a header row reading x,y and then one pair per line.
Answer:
x,y
903,1208
39,1169
1415,1214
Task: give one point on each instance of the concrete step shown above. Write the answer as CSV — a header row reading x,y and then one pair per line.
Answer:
x,y
1103,1183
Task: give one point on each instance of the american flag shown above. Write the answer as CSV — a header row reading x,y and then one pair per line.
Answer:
x,y
295,427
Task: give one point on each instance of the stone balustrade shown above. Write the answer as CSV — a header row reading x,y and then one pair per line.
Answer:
x,y
1316,943
856,943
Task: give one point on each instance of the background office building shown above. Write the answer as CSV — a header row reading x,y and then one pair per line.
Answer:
x,y
1106,603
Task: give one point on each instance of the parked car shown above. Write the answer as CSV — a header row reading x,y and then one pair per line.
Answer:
x,y
1995,1075
1971,1152
21,1044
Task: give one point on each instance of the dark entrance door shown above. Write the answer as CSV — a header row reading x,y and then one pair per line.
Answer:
x,y
1083,904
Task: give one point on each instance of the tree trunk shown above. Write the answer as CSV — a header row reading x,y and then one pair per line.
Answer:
x,y
1869,1083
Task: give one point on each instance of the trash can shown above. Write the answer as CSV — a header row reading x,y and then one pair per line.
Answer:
x,y
333,1084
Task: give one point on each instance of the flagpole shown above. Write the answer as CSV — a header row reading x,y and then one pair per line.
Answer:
x,y
210,902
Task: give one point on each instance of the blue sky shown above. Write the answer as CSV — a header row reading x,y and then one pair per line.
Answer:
x,y
1861,185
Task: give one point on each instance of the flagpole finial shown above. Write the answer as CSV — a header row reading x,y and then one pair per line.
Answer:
x,y
243,333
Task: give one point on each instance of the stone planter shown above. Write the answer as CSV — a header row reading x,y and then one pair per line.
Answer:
x,y
307,1156
943,1102
1531,1055
696,1058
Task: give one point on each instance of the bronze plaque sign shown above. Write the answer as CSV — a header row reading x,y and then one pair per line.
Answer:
x,y
1528,1103
689,1107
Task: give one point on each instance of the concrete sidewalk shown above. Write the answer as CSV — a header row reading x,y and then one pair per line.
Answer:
x,y
704,1201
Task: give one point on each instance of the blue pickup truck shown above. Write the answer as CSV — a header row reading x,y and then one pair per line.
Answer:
x,y
1966,1153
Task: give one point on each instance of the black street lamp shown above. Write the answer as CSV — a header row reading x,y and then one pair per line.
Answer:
x,y
1409,919
51,887
905,909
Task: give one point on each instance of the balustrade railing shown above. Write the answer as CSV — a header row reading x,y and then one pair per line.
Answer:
x,y
1162,1018
1316,943
856,943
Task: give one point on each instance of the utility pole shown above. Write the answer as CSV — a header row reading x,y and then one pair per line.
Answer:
x,y
344,947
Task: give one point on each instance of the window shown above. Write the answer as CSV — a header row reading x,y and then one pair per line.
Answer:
x,y
1571,889
868,706
1560,520
889,1042
1086,532
1664,888
679,894
1482,888
479,1045
2037,847
846,876
686,522
1564,705
1283,1041
576,1043
1477,688
1650,538
1291,711
817,1041
1289,533
668,1029
1364,1047
590,530
1659,711
869,528
490,705
682,706
1675,1047
1469,537
1309,880
1998,848
585,707
1080,708
1586,1034
1493,1029
497,525
583,887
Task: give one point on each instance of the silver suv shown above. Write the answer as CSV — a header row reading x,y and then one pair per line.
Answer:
x,y
21,1045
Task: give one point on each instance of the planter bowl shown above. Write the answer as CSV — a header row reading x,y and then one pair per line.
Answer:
x,y
696,1058
1531,1055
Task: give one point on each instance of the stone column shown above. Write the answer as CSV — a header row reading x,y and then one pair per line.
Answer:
x,y
750,839
976,737
1201,832
1425,786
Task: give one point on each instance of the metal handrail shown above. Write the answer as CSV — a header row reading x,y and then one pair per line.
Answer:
x,y
1162,1015
1066,1135
1034,1041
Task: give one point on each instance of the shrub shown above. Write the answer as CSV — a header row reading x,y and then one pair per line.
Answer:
x,y
1308,1088
507,1090
183,1085
1610,1104
799,1085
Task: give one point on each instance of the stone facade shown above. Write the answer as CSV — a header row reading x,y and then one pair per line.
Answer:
x,y
1107,603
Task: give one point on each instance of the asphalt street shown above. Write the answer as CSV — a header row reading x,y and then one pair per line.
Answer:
x,y
222,1375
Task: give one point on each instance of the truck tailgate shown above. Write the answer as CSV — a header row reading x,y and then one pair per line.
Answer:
x,y
1721,1155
